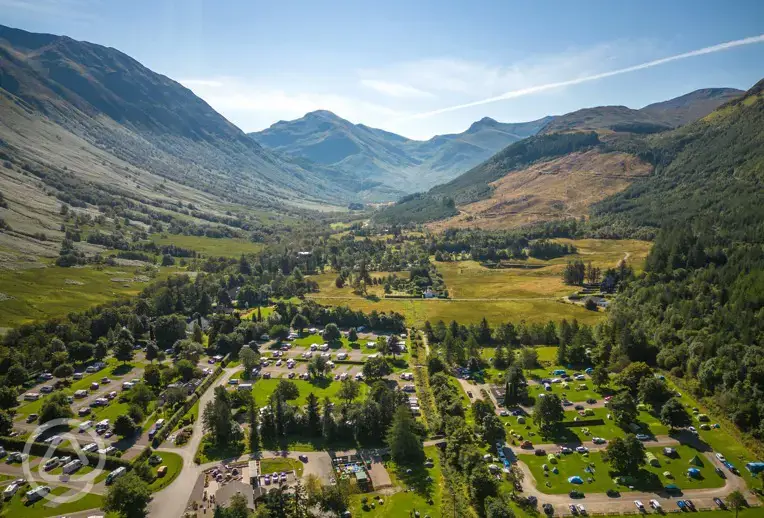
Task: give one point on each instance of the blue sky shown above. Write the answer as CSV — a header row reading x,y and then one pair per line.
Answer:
x,y
397,64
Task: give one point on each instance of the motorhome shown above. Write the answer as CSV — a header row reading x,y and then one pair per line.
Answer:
x,y
31,396
84,426
10,490
342,356
37,493
72,466
114,475
80,394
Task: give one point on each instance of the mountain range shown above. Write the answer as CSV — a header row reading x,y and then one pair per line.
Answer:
x,y
390,165
88,126
576,161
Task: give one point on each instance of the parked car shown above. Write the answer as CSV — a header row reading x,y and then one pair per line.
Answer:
x,y
598,440
573,509
31,418
639,505
655,504
576,494
582,449
526,444
689,504
540,452
643,437
581,508
579,407
591,401
720,472
718,501
681,505
548,509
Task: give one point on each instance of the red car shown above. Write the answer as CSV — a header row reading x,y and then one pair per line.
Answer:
x,y
608,398
526,444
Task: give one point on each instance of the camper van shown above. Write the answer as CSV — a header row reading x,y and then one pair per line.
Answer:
x,y
128,385
245,386
81,394
72,466
10,490
342,356
84,426
37,493
31,396
114,475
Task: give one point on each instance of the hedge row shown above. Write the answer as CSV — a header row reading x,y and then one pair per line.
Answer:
x,y
40,449
169,426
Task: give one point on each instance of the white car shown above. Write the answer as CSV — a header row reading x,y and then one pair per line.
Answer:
x,y
278,363
598,440
721,457
655,504
639,505
582,449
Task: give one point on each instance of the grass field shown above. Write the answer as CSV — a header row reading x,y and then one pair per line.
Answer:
x,y
498,295
342,343
42,293
209,246
417,311
425,497
263,389
15,507
174,463
599,479
278,465
327,286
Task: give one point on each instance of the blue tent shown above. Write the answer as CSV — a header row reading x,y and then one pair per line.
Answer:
x,y
575,480
755,467
693,472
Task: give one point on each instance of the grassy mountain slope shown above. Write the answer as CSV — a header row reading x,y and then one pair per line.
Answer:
x,y
708,174
575,161
147,120
387,163
558,188
650,119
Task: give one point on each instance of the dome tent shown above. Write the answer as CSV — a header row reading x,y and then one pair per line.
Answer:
x,y
575,480
695,461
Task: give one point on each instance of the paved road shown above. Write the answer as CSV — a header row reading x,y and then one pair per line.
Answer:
x,y
172,500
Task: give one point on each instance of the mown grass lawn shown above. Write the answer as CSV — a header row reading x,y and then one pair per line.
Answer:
x,y
42,293
174,463
426,495
16,507
599,479
342,343
263,389
278,465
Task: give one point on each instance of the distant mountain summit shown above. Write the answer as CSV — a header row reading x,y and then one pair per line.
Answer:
x,y
390,164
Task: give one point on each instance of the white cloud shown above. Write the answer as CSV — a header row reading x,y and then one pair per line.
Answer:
x,y
254,106
541,86
394,89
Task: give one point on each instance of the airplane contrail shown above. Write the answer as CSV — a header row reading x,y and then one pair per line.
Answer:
x,y
540,88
